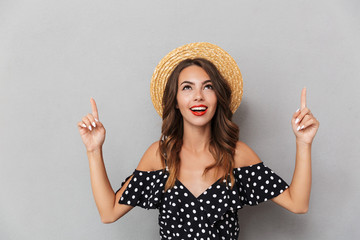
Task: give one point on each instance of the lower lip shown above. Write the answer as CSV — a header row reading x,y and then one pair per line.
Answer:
x,y
199,113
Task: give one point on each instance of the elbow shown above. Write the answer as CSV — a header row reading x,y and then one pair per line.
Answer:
x,y
301,210
305,210
107,219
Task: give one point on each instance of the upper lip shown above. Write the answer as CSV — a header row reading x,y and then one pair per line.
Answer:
x,y
198,106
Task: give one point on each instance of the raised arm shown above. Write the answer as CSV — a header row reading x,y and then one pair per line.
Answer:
x,y
92,133
296,198
105,198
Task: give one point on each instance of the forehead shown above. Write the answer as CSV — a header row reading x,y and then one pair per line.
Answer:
x,y
193,73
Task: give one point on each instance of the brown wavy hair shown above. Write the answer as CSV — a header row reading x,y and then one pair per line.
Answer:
x,y
224,133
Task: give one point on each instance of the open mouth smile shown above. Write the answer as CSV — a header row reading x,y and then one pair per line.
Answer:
x,y
199,110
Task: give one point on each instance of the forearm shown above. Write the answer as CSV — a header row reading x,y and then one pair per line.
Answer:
x,y
300,186
103,193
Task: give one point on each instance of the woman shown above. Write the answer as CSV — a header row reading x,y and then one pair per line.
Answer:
x,y
198,175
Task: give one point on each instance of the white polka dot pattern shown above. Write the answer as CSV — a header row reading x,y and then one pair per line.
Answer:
x,y
258,183
213,214
145,189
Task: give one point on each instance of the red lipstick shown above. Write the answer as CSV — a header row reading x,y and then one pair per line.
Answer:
x,y
199,113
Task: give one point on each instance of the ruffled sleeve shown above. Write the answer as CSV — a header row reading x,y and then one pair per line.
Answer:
x,y
144,189
257,183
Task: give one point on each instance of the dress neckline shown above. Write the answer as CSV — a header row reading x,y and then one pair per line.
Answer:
x,y
202,193
165,169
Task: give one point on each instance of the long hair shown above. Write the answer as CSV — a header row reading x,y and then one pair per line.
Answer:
x,y
224,133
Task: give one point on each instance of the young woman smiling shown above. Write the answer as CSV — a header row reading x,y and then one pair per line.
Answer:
x,y
198,174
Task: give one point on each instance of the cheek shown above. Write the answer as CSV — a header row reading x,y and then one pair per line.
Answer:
x,y
213,99
182,100
179,102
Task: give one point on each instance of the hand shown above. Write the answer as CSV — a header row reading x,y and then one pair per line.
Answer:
x,y
306,126
91,130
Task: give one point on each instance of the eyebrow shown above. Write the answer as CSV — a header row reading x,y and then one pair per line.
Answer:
x,y
191,83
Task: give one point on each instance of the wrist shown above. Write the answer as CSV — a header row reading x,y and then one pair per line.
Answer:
x,y
94,151
303,144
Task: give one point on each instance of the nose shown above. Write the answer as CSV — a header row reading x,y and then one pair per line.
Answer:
x,y
199,95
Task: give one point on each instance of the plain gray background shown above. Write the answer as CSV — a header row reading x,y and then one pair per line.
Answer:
x,y
55,55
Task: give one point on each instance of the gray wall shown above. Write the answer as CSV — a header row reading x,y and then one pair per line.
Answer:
x,y
55,55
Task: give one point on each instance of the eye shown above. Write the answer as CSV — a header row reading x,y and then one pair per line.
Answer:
x,y
186,87
209,86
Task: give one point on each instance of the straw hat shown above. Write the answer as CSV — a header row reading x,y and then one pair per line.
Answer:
x,y
221,59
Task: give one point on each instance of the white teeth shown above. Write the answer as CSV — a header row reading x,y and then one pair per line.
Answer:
x,y
198,108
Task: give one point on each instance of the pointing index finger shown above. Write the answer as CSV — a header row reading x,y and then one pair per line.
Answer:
x,y
94,108
303,98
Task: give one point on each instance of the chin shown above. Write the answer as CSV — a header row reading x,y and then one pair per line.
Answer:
x,y
200,122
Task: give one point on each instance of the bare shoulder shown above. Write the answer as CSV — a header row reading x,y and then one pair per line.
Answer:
x,y
151,159
244,155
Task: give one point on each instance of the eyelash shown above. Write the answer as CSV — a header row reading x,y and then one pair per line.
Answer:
x,y
209,85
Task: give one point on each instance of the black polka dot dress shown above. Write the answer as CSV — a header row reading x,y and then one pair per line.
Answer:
x,y
213,214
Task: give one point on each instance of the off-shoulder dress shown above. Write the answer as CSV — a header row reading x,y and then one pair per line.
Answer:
x,y
213,214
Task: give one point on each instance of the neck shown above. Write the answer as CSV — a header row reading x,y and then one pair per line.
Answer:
x,y
196,139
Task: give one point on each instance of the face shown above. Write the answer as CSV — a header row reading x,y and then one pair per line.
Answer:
x,y
196,97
